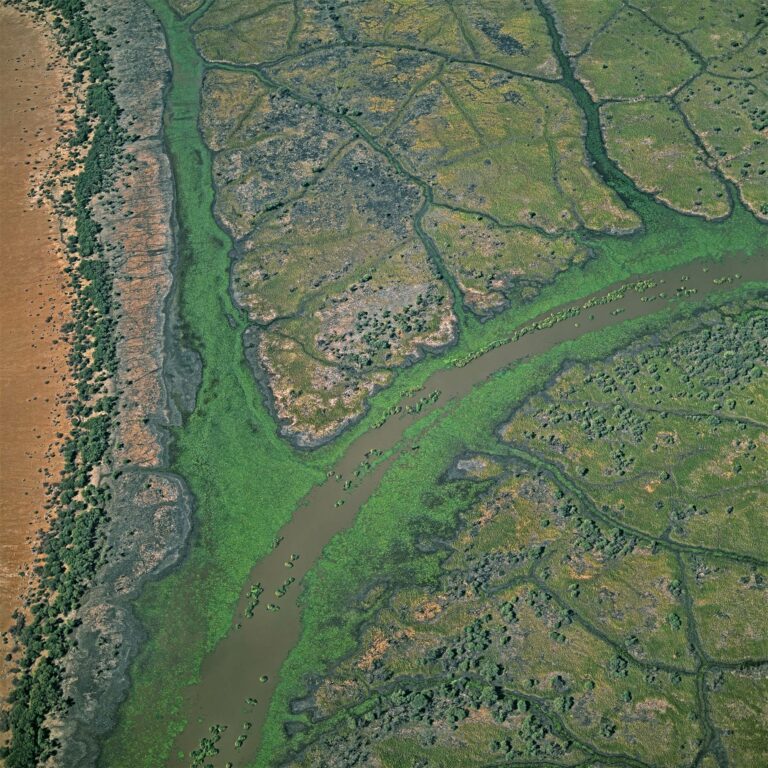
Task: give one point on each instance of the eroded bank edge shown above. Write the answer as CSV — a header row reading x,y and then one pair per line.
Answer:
x,y
150,514
115,502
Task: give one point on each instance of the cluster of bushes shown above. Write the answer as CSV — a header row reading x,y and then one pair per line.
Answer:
x,y
611,544
71,551
484,571
430,709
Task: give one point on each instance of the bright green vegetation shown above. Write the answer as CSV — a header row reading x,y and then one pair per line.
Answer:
x,y
452,146
341,130
553,622
246,480
339,274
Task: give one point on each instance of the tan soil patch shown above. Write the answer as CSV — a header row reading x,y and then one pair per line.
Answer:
x,y
33,299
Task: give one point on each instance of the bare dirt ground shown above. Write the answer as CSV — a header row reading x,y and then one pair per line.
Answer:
x,y
33,300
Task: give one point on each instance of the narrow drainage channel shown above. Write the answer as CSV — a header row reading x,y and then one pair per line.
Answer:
x,y
231,691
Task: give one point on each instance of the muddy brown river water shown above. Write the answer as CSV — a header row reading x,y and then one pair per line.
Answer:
x,y
33,301
246,663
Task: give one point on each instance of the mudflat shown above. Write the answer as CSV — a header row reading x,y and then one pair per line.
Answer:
x,y
33,300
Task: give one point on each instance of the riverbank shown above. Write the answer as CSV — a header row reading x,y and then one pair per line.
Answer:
x,y
150,509
34,301
117,518
389,539
267,638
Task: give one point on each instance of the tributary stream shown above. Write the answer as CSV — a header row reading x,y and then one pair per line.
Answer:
x,y
239,676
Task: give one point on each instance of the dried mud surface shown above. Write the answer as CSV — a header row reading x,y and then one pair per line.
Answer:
x,y
150,514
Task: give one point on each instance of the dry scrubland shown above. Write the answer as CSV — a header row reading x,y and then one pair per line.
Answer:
x,y
33,306
604,600
386,169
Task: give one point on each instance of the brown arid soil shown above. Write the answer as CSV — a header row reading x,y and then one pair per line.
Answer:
x,y
149,508
33,300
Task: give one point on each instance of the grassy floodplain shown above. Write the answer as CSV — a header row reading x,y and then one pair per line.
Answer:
x,y
384,553
247,481
552,636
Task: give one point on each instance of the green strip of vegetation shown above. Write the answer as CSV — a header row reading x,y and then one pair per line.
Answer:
x,y
245,479
412,505
71,551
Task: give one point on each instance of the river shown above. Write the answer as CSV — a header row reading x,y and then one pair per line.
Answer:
x,y
234,670
256,646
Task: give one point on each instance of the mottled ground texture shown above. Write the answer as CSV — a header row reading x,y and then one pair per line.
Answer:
x,y
564,564
379,169
604,603
383,165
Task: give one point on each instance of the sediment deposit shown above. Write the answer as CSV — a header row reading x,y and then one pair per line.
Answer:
x,y
149,514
